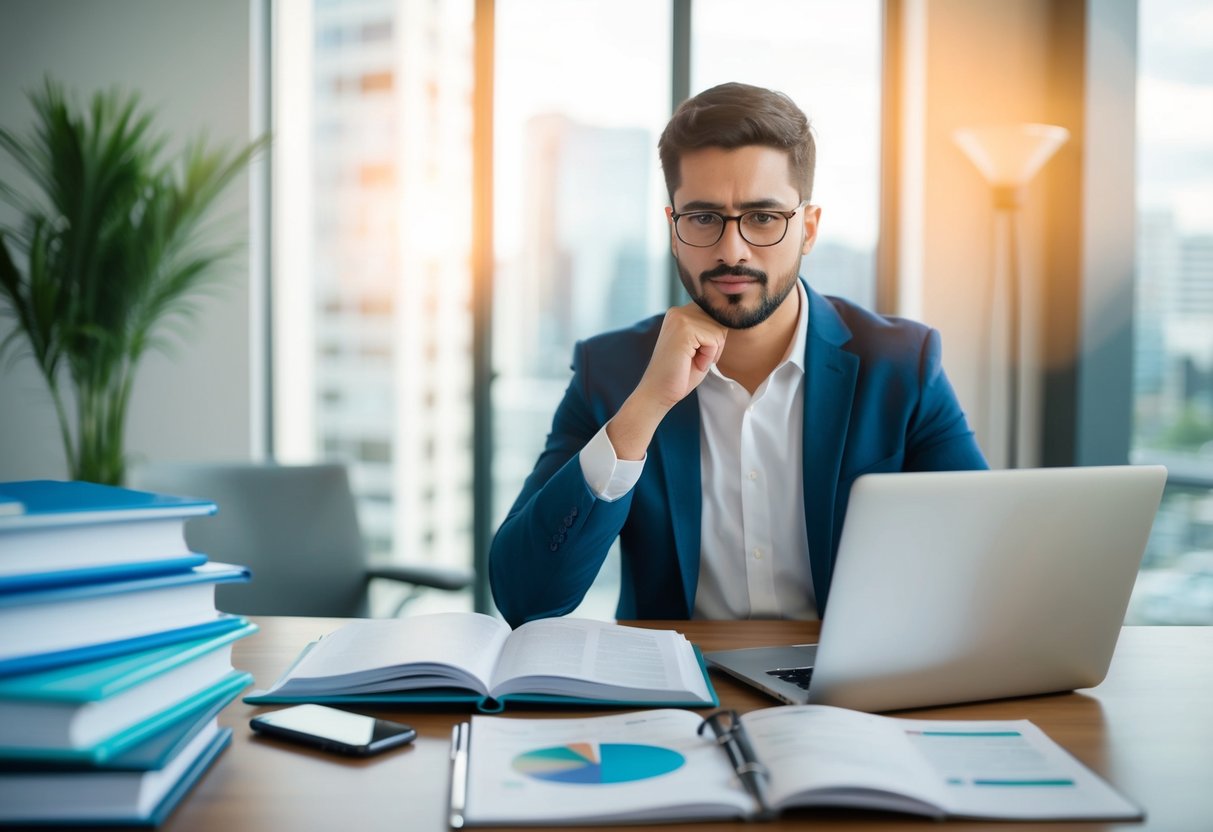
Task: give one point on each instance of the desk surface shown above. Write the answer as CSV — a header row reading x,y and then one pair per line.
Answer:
x,y
1148,729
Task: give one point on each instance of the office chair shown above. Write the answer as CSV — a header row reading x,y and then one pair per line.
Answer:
x,y
296,528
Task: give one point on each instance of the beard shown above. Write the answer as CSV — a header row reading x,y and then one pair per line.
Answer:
x,y
733,314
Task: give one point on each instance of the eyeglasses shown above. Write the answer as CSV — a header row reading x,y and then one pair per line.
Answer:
x,y
758,228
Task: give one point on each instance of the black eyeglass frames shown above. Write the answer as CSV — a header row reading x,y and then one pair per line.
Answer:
x,y
761,227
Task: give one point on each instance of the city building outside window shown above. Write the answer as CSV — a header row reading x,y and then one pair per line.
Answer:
x,y
1173,372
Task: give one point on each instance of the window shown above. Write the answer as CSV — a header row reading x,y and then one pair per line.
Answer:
x,y
826,56
373,157
581,240
1173,372
372,183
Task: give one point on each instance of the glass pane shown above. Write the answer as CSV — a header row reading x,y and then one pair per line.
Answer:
x,y
582,94
1176,581
826,56
1173,373
372,246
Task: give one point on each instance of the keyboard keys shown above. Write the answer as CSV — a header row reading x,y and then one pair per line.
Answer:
x,y
798,676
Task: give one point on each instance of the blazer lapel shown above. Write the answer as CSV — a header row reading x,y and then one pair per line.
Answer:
x,y
829,389
678,443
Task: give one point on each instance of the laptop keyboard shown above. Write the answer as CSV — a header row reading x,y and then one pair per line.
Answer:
x,y
798,676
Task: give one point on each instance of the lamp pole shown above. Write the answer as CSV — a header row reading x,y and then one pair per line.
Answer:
x,y
1008,156
1007,201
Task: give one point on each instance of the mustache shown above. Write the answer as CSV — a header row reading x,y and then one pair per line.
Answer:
x,y
740,271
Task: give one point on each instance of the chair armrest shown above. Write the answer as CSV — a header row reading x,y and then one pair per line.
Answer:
x,y
433,576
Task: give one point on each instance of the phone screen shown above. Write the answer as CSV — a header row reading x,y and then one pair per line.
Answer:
x,y
334,729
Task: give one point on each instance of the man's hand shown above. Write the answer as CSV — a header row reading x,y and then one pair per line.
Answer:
x,y
689,343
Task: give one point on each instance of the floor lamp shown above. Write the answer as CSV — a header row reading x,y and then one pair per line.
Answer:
x,y
1008,156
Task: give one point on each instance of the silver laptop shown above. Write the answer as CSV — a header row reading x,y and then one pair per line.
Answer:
x,y
967,585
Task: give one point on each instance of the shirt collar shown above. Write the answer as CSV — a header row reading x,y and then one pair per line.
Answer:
x,y
795,353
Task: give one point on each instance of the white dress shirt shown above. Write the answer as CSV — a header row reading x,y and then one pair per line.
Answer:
x,y
754,552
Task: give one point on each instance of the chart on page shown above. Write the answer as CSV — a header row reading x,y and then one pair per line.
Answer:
x,y
589,763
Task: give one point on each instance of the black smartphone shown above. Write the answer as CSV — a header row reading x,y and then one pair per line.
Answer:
x,y
333,730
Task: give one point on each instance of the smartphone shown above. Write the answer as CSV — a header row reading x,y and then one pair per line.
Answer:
x,y
333,730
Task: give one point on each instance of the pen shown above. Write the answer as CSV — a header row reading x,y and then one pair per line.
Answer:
x,y
752,773
459,773
731,735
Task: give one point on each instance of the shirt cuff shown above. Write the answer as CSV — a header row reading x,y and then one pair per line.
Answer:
x,y
608,476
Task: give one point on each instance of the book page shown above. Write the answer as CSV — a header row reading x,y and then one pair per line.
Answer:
x,y
1010,769
594,658
644,766
380,655
819,756
824,756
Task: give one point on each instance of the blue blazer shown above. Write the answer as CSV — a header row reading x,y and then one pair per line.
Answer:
x,y
876,399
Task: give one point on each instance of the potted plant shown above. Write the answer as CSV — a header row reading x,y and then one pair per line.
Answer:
x,y
116,242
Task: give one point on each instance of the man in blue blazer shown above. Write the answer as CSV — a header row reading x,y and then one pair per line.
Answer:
x,y
719,441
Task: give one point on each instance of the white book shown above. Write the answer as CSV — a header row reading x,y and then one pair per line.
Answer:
x,y
477,658
659,766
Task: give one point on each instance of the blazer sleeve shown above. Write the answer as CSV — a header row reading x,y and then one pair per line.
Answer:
x,y
556,536
939,437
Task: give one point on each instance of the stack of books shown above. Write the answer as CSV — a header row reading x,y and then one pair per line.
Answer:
x,y
114,662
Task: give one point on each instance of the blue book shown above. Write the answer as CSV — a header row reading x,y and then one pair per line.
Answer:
x,y
79,705
129,798
72,532
99,573
47,627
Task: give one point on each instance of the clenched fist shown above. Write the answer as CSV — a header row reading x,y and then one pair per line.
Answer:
x,y
689,343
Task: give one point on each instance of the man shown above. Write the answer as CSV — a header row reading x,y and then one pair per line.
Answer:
x,y
719,441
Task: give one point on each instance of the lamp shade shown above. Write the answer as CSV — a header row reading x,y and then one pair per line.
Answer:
x,y
1009,155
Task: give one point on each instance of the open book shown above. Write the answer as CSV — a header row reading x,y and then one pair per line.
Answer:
x,y
660,766
452,657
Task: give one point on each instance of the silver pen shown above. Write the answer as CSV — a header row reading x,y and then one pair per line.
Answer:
x,y
459,773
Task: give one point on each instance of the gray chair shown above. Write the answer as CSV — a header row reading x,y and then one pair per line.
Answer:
x,y
296,528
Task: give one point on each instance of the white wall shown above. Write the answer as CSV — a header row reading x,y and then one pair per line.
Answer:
x,y
191,60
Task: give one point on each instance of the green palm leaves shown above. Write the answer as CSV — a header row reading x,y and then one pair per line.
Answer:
x,y
117,243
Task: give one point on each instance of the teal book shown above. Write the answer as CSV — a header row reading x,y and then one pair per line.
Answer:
x,y
81,705
479,660
97,751
55,532
52,626
153,752
110,798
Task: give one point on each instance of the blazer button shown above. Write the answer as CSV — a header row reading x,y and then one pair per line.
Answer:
x,y
553,547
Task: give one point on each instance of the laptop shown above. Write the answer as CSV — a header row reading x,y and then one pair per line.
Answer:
x,y
960,586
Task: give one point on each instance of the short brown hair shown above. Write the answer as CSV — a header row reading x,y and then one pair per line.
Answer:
x,y
737,115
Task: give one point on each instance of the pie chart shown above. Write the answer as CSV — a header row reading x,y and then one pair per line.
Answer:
x,y
589,763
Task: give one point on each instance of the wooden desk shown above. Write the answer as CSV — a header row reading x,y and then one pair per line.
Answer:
x,y
1148,729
